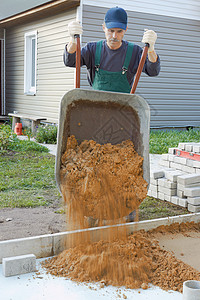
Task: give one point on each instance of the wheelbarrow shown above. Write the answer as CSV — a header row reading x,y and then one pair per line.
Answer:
x,y
105,117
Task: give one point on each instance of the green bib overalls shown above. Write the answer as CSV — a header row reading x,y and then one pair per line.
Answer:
x,y
112,81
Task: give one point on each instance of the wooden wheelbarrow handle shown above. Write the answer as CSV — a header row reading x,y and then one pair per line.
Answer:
x,y
140,67
78,60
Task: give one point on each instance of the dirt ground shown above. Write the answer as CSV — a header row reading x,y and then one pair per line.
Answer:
x,y
26,222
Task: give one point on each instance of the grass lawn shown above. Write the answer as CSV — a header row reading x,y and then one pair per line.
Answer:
x,y
28,180
152,208
161,140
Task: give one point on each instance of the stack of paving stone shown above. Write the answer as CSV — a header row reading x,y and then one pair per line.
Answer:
x,y
178,180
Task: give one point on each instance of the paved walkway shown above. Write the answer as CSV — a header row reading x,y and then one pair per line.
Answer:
x,y
154,158
51,147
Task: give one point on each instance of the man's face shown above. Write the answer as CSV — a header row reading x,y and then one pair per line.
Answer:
x,y
114,37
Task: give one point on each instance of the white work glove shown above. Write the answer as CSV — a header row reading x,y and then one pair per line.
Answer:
x,y
74,28
149,37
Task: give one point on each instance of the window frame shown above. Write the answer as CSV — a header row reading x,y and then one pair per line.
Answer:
x,y
30,67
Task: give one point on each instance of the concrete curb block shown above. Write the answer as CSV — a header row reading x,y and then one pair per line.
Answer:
x,y
52,244
18,265
40,246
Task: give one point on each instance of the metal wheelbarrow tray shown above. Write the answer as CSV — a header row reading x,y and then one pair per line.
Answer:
x,y
105,117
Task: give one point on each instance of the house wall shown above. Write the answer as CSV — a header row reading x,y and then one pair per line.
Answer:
x,y
1,33
174,95
189,9
53,78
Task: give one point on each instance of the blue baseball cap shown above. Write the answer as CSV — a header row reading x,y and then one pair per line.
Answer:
x,y
116,17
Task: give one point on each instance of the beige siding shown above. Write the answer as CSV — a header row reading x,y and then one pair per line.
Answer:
x,y
174,95
189,9
1,34
53,78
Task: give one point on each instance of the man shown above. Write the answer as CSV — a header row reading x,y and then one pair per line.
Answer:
x,y
112,63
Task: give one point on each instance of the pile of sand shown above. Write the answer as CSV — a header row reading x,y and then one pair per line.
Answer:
x,y
105,182
133,262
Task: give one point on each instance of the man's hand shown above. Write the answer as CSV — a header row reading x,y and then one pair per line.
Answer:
x,y
74,28
149,37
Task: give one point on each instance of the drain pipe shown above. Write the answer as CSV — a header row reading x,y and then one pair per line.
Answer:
x,y
4,74
191,290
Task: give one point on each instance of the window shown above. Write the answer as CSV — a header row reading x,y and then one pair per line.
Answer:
x,y
30,63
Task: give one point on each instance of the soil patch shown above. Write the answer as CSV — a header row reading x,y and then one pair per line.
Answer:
x,y
26,222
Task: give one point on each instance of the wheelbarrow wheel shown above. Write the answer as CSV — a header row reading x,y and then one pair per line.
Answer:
x,y
93,222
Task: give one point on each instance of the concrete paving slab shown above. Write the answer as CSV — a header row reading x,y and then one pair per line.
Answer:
x,y
47,287
183,246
